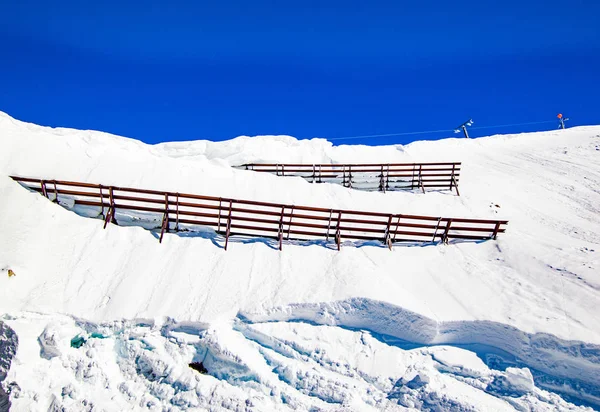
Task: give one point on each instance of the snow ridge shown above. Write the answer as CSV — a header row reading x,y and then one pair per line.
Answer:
x,y
260,366
571,367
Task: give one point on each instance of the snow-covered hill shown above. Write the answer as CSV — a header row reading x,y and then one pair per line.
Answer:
x,y
307,327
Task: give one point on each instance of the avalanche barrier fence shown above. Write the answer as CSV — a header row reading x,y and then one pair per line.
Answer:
x,y
382,177
170,211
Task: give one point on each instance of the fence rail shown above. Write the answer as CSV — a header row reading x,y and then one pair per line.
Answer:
x,y
382,177
231,217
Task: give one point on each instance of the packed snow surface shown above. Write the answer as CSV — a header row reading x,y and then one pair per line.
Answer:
x,y
111,319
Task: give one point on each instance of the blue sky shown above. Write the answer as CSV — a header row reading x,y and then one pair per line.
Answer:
x,y
163,71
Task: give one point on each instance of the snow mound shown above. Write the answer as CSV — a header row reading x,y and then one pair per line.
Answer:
x,y
515,382
263,366
259,319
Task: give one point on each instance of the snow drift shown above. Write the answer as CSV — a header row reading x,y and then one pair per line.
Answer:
x,y
261,319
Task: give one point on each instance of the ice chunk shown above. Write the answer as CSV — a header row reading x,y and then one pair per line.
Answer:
x,y
513,382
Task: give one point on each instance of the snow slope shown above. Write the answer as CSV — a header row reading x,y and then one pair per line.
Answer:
x,y
529,299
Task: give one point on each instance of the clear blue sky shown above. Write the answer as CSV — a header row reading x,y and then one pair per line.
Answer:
x,y
177,70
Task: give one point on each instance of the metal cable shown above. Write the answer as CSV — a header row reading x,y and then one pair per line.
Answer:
x,y
437,131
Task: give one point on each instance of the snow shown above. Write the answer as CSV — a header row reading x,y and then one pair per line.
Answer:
x,y
496,325
265,366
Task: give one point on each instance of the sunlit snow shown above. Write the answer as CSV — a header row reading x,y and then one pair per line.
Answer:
x,y
110,319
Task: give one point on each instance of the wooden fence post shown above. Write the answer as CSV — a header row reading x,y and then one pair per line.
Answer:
x,y
453,181
228,231
436,229
456,186
280,234
101,202
110,215
397,225
338,235
111,194
165,222
445,235
496,228
329,224
349,176
55,200
43,186
387,239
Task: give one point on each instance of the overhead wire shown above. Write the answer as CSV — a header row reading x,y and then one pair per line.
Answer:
x,y
389,134
436,131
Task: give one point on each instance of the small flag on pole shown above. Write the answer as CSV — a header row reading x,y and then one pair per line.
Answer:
x,y
562,121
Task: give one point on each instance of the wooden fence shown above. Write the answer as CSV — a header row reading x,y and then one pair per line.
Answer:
x,y
382,177
230,217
